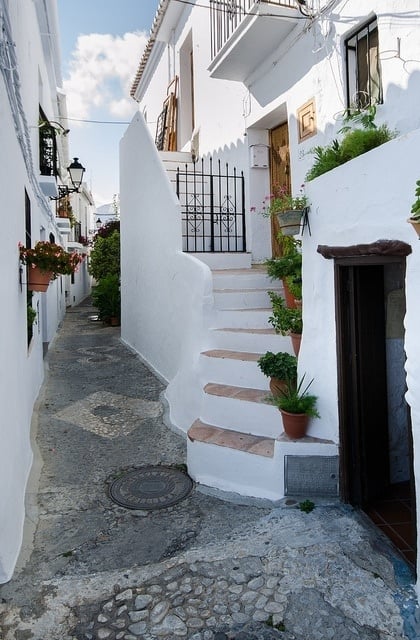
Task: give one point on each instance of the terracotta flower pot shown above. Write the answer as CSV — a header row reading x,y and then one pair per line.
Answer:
x,y
277,386
288,296
38,280
416,225
296,340
295,424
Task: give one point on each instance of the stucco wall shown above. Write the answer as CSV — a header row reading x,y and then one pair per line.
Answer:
x,y
21,367
358,203
220,123
163,290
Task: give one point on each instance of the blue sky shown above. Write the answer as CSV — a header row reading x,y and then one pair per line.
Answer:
x,y
101,45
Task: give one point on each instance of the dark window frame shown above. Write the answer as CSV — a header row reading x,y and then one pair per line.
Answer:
x,y
363,68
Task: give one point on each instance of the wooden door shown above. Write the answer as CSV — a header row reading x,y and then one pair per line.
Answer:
x,y
279,173
363,384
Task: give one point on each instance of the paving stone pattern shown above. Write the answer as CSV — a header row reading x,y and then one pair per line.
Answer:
x,y
205,568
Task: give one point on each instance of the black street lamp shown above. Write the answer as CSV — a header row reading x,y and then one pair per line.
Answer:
x,y
75,171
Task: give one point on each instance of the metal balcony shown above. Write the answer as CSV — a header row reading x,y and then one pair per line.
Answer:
x,y
245,32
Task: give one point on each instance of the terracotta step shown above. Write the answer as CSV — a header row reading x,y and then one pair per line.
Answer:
x,y
237,393
210,434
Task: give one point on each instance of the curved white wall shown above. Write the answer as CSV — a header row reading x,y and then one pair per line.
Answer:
x,y
164,291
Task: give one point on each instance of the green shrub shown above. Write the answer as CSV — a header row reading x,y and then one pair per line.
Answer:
x,y
354,143
105,256
106,297
280,365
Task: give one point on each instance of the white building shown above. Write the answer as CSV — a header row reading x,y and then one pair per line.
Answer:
x,y
35,157
258,85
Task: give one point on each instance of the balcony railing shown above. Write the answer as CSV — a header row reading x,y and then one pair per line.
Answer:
x,y
254,26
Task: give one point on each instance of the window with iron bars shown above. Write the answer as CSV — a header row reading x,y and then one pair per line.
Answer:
x,y
48,164
363,68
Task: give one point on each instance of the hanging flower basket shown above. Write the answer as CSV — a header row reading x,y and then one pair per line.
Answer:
x,y
50,259
290,221
38,280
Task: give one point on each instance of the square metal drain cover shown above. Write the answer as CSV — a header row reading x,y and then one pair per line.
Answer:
x,y
311,475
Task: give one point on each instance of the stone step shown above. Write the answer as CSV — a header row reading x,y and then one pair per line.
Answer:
x,y
225,260
232,367
241,299
211,434
241,318
260,340
255,277
242,409
233,461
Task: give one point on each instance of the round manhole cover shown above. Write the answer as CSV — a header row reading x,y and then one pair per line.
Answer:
x,y
150,488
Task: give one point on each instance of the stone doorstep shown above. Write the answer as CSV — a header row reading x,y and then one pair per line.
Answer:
x,y
210,434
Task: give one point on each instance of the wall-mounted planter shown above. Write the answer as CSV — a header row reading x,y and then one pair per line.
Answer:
x,y
416,225
38,280
290,221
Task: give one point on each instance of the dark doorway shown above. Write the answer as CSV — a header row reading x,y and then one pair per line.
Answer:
x,y
375,432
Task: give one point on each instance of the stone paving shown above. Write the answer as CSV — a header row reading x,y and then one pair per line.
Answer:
x,y
202,569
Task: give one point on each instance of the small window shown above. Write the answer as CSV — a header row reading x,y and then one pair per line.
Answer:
x,y
364,85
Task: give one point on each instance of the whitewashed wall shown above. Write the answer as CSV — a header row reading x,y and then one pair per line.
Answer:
x,y
220,127
164,291
22,368
310,64
356,204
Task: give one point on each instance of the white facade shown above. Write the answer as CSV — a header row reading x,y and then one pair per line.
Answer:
x,y
238,100
30,75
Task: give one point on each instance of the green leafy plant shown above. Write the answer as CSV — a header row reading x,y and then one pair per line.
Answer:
x,y
30,315
278,365
359,116
282,200
294,284
50,258
415,209
295,400
283,319
280,626
106,297
354,143
105,255
307,506
284,266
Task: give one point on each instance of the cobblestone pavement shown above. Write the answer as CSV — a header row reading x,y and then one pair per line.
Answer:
x,y
202,569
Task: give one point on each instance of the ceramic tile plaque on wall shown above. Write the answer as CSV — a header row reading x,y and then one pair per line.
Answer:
x,y
306,120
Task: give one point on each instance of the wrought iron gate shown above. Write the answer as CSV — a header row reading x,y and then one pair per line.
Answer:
x,y
213,208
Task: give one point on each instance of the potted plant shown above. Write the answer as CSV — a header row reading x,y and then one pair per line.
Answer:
x,y
414,219
296,406
279,367
285,320
288,268
46,261
288,209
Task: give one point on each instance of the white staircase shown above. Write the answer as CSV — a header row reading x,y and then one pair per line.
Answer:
x,y
231,445
236,443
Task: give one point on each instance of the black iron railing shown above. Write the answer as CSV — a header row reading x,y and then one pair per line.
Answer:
x,y
213,208
227,15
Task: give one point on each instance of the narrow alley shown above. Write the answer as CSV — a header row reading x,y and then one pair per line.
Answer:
x,y
202,568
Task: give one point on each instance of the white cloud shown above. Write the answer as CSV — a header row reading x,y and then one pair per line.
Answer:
x,y
102,70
